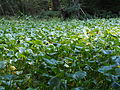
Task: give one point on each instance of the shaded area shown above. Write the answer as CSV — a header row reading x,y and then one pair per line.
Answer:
x,y
55,8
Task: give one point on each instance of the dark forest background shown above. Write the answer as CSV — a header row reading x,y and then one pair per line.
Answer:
x,y
58,8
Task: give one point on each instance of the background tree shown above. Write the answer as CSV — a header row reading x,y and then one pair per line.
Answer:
x,y
76,8
56,5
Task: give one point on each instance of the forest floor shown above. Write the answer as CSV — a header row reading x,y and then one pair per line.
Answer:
x,y
59,55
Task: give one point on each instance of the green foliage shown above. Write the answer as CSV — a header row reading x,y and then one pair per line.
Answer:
x,y
59,55
49,14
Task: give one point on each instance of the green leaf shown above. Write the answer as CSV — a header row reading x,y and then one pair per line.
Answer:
x,y
2,88
9,77
50,61
117,70
79,75
54,81
31,89
37,42
46,75
116,59
77,88
3,64
10,53
78,47
21,49
116,85
107,51
104,69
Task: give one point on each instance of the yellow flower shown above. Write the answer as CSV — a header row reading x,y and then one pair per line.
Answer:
x,y
12,68
118,66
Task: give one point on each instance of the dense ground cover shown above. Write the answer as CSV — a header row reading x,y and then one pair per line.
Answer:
x,y
60,55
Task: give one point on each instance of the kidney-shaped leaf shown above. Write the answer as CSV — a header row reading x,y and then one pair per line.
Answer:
x,y
54,81
103,69
79,75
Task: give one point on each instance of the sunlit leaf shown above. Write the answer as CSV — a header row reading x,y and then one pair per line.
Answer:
x,y
21,49
104,69
50,61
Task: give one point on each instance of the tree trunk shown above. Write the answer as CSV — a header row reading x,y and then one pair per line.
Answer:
x,y
56,5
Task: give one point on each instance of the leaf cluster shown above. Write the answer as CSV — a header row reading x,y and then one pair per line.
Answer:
x,y
59,55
